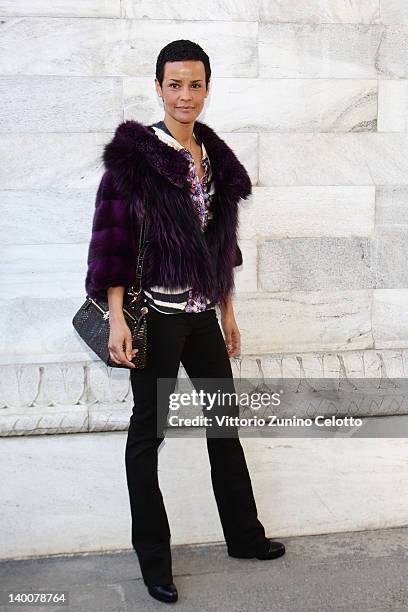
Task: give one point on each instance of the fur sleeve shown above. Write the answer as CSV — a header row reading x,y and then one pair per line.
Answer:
x,y
111,260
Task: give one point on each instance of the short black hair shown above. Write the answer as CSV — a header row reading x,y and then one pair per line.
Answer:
x,y
178,51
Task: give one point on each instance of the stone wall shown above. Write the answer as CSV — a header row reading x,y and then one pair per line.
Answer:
x,y
313,99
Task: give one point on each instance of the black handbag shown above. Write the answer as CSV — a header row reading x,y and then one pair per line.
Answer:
x,y
92,319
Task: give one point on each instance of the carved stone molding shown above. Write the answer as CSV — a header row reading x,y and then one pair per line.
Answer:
x,y
57,398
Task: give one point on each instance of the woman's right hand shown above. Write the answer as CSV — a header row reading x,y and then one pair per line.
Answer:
x,y
120,343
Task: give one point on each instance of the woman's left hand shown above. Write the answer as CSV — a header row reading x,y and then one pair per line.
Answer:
x,y
232,334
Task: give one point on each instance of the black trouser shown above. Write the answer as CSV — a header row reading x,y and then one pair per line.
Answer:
x,y
196,340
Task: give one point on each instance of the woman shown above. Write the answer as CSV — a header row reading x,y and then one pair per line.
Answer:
x,y
192,183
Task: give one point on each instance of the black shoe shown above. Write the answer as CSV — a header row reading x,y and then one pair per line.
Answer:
x,y
164,592
275,549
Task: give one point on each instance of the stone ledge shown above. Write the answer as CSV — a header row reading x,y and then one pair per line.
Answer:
x,y
56,398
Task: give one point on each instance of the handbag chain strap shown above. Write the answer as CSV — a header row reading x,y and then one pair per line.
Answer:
x,y
141,251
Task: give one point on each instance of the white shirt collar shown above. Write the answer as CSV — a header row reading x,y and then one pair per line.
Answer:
x,y
173,142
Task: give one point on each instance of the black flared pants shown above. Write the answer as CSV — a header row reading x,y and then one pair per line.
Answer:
x,y
195,340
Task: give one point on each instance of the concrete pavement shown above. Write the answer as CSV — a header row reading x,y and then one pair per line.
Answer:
x,y
364,571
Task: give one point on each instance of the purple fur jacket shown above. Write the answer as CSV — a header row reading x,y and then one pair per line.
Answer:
x,y
140,169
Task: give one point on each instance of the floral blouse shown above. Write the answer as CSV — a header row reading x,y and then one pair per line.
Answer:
x,y
201,200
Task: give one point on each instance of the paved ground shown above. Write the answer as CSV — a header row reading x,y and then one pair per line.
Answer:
x,y
362,571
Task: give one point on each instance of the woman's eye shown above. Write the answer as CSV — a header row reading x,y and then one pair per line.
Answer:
x,y
196,85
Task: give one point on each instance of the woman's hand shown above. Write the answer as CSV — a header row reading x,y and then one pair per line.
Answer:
x,y
120,343
231,333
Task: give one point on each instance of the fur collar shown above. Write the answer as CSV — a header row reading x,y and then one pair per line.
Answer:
x,y
135,145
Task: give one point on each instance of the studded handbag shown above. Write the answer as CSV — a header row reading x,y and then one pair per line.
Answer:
x,y
91,321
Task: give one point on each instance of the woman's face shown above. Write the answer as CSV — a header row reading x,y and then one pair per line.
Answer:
x,y
183,89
